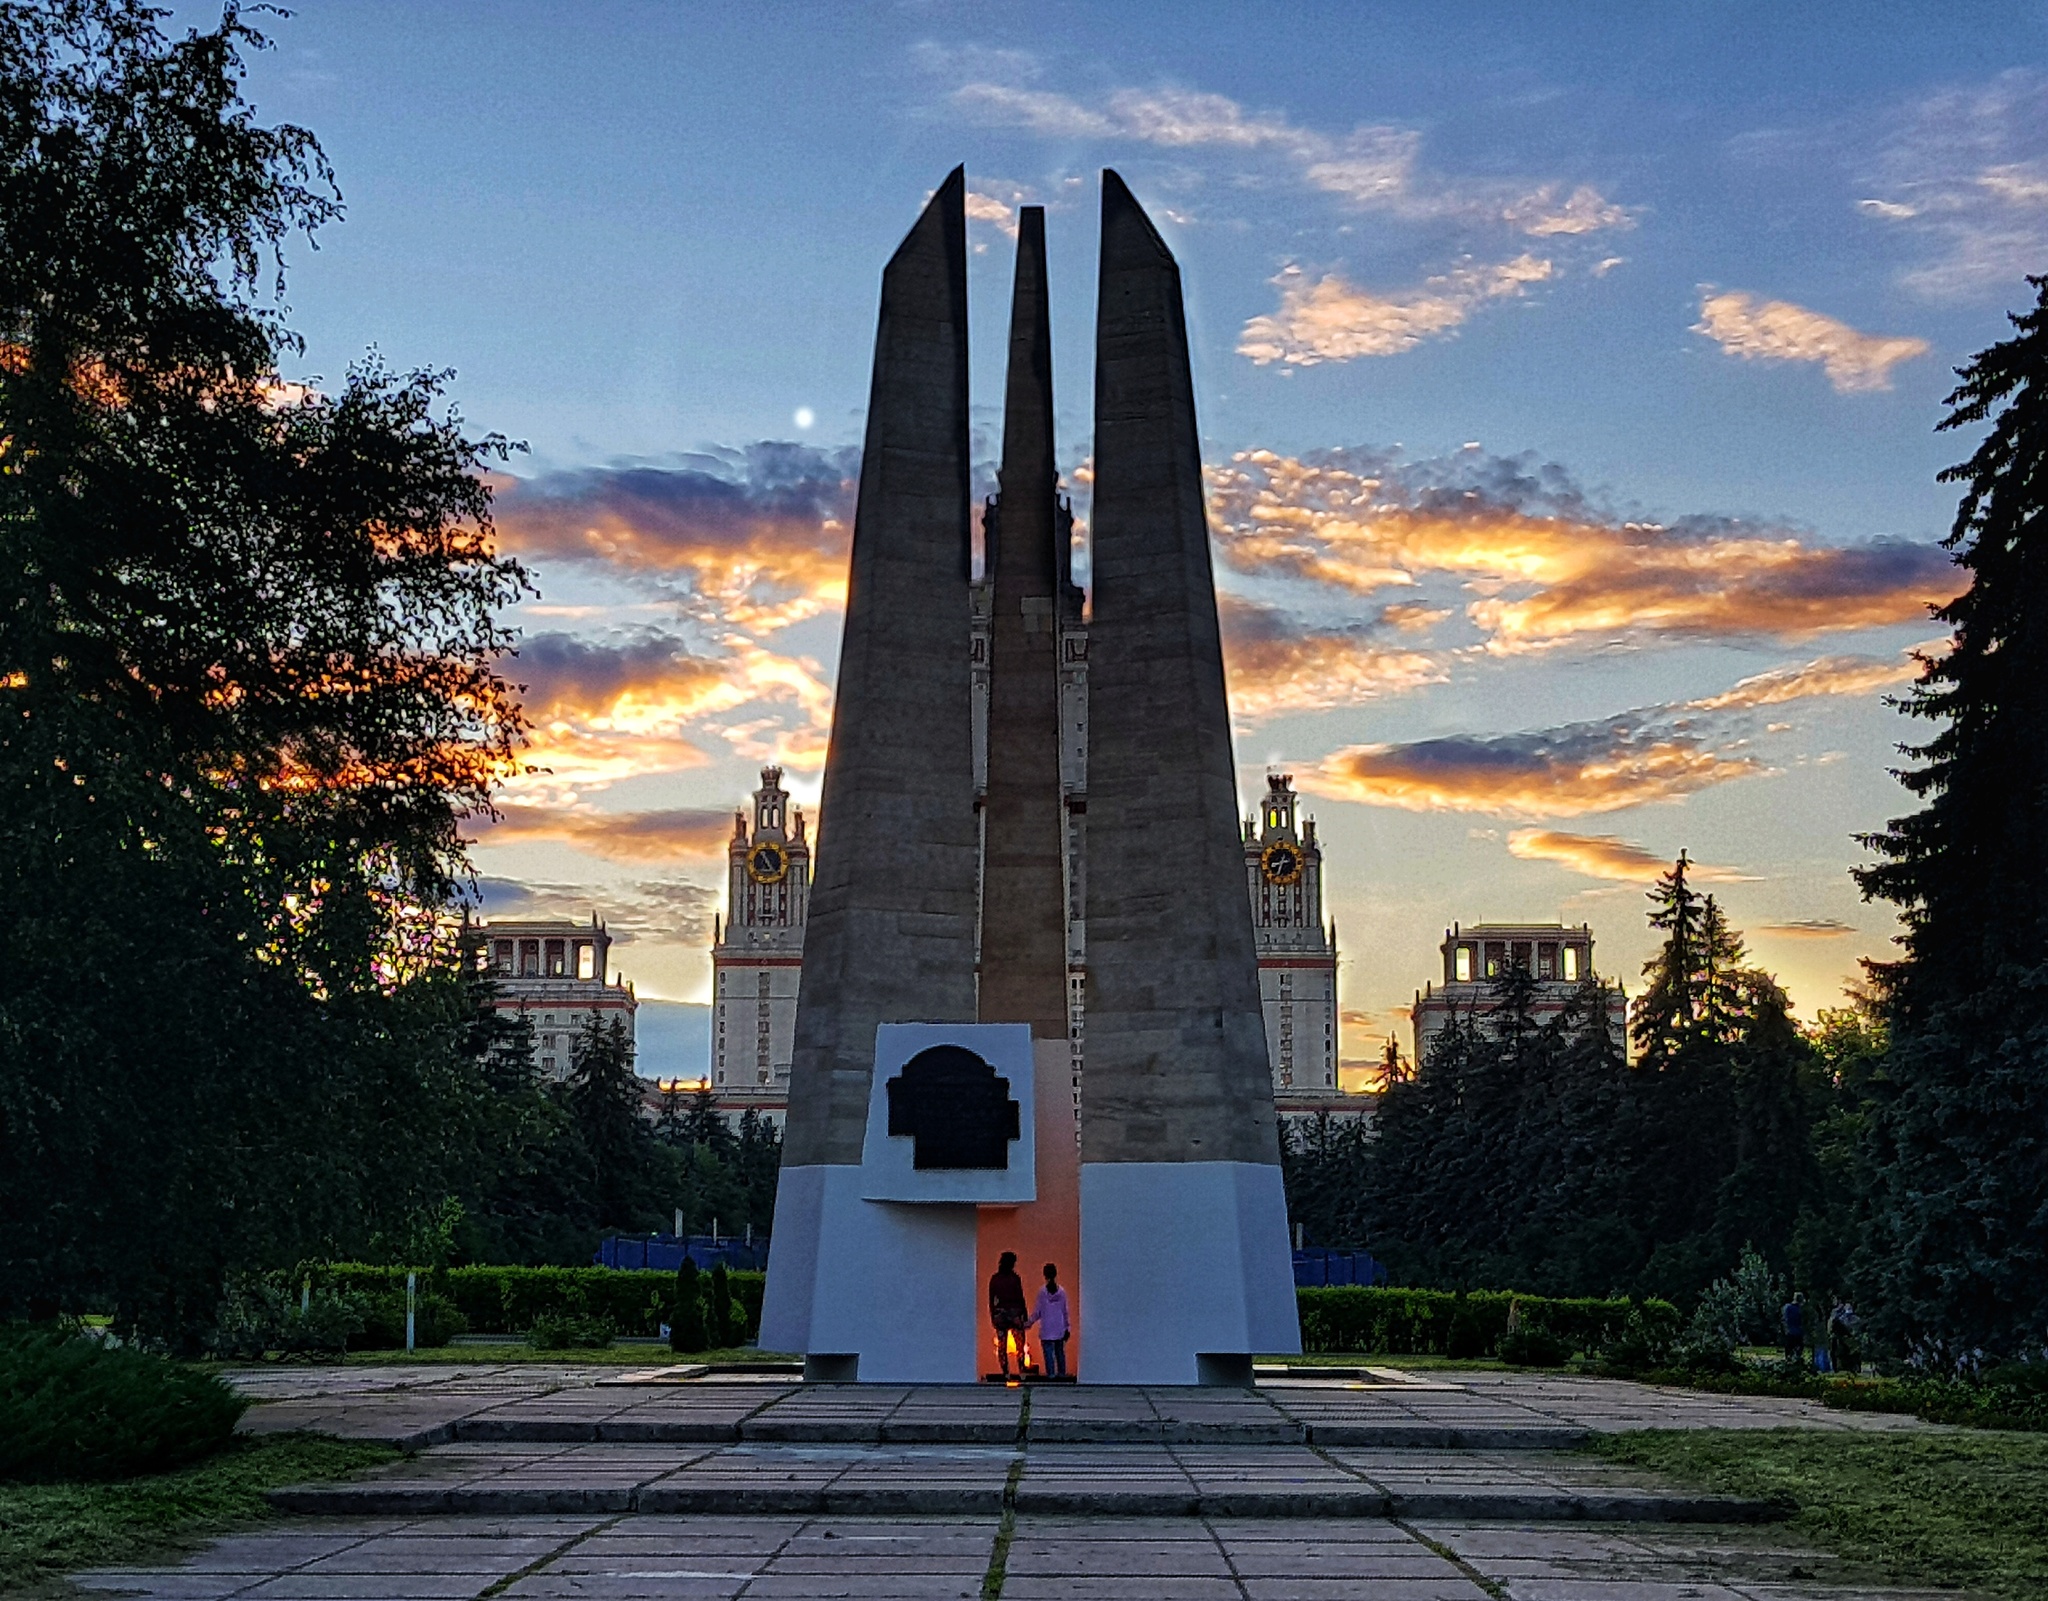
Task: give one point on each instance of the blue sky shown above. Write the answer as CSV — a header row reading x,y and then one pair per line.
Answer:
x,y
1558,375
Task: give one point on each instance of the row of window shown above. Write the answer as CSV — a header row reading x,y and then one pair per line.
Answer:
x,y
1551,959
554,958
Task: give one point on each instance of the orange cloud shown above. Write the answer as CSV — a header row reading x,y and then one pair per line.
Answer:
x,y
1335,320
1562,772
1543,564
1278,665
687,834
1809,928
1605,856
757,540
606,710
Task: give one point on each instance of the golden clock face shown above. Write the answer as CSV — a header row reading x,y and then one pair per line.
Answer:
x,y
767,863
1281,862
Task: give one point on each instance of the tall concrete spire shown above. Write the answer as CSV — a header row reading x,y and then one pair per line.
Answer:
x,y
1023,902
891,930
1184,1249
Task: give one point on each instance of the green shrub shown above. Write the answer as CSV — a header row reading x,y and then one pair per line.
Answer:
x,y
554,1331
1404,1322
73,1408
686,1330
1534,1348
435,1321
265,1314
722,1327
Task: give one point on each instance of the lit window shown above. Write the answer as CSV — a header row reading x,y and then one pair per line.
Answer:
x,y
1571,963
586,960
1464,967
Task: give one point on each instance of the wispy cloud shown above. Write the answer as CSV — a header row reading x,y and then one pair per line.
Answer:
x,y
1372,167
1966,174
1809,928
1777,330
659,910
1605,856
1828,675
1332,319
679,834
1542,561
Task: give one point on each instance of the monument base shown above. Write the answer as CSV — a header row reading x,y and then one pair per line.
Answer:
x,y
1187,1271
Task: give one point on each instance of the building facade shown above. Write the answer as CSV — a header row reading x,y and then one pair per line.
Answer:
x,y
1283,869
1559,956
757,953
552,973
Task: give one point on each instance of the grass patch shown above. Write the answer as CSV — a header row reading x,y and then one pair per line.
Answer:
x,y
1928,1508
1381,1359
48,1529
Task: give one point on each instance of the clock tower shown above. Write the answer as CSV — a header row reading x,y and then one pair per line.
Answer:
x,y
758,950
1283,867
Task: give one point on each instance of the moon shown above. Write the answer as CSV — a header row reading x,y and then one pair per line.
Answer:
x,y
804,417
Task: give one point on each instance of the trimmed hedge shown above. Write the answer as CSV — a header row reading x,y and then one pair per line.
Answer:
x,y
1443,1323
509,1300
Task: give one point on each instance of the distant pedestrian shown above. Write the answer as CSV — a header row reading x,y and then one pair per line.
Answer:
x,y
1007,1312
1794,1317
1050,1314
1842,1346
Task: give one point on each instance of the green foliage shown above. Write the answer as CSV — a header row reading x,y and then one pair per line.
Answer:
x,y
1932,1509
726,1324
436,1320
1957,1142
567,1331
1741,1309
1534,1348
248,640
48,1529
1530,1152
1440,1323
1324,1162
265,1314
688,1329
74,1408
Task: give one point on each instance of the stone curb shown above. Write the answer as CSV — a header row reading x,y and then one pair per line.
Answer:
x,y
397,1500
790,1431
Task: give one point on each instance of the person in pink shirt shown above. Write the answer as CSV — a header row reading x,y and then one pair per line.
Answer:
x,y
1050,1314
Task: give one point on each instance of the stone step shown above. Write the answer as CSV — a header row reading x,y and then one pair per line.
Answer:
x,y
768,1428
1486,1503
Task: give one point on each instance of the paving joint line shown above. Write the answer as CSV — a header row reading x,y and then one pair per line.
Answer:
x,y
767,1562
997,1574
498,1587
1229,1561
1492,1587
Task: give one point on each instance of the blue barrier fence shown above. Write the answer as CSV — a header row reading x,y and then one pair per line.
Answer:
x,y
1321,1267
665,1252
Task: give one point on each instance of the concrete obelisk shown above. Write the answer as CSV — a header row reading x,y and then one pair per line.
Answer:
x,y
1185,1259
1023,896
892,909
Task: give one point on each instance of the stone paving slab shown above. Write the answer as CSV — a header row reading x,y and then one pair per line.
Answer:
x,y
418,1407
1046,1558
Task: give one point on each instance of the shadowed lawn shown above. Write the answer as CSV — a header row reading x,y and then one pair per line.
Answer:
x,y
49,1529
1967,1507
515,1350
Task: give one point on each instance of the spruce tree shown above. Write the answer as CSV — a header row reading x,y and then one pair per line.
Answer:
x,y
1958,1255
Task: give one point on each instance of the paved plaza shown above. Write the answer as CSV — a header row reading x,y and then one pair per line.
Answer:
x,y
562,1481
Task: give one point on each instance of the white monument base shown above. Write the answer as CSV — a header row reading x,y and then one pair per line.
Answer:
x,y
1186,1271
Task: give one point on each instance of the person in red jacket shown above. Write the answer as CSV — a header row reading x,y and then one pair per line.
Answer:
x,y
1006,1310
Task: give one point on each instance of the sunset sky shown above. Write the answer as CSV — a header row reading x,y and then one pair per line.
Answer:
x,y
1568,395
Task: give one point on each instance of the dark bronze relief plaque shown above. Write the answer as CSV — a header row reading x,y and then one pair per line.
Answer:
x,y
956,1109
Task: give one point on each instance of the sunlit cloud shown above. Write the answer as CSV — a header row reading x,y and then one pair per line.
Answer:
x,y
1331,319
1277,664
605,710
680,834
1829,675
1373,167
1571,771
1607,856
1966,174
756,539
1542,561
1777,330
995,201
1809,928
